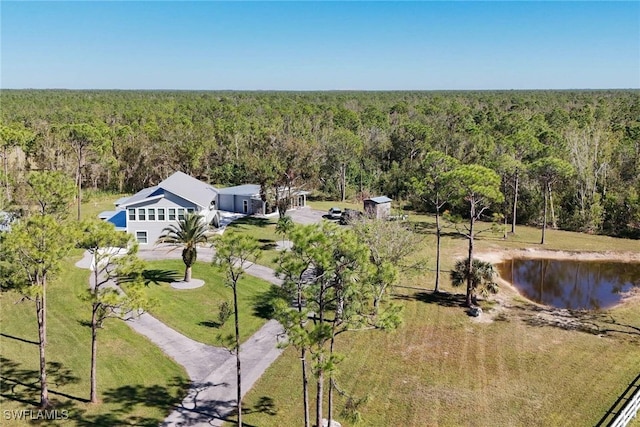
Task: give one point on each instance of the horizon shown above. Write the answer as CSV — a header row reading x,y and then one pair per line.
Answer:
x,y
320,46
62,89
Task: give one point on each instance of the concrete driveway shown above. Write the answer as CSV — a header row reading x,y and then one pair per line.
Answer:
x,y
306,216
212,370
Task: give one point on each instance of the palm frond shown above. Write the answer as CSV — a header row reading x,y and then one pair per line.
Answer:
x,y
482,276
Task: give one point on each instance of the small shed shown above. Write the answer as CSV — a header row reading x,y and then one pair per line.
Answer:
x,y
378,207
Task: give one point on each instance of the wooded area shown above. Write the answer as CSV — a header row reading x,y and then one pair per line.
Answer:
x,y
343,144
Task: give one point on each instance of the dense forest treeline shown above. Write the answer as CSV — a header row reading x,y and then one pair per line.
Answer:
x,y
342,144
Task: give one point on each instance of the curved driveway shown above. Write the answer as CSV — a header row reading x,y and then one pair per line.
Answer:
x,y
212,370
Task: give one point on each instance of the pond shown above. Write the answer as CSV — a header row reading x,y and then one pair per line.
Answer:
x,y
587,285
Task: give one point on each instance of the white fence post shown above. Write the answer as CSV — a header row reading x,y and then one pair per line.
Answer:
x,y
629,409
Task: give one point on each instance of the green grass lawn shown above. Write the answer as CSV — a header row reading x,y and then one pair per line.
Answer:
x,y
194,312
441,368
137,383
96,202
263,230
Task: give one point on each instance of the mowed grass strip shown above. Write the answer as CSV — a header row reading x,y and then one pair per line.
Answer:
x,y
137,383
194,312
440,368
264,231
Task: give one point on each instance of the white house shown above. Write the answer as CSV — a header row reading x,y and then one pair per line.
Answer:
x,y
149,211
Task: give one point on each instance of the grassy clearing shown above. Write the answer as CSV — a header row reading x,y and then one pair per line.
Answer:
x,y
96,202
264,230
194,312
443,369
137,383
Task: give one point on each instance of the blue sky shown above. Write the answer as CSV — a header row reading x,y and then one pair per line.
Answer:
x,y
320,45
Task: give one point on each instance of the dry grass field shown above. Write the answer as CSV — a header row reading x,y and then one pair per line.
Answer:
x,y
522,365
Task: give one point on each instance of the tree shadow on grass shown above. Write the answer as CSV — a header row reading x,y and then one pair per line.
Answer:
x,y
24,340
112,419
156,277
210,324
265,405
250,221
264,303
266,244
193,408
23,385
129,398
153,276
424,227
444,299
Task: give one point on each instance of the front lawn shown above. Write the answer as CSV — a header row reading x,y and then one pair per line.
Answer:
x,y
137,383
194,312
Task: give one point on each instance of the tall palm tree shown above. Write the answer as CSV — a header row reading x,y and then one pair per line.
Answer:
x,y
284,226
187,234
482,277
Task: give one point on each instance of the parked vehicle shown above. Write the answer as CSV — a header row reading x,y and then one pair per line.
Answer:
x,y
335,213
350,215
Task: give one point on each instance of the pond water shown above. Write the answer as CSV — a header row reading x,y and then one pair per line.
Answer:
x,y
588,285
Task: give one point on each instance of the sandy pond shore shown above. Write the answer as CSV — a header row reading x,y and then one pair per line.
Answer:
x,y
505,298
497,256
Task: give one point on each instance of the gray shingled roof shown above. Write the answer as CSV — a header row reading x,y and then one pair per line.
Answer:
x,y
241,190
106,214
380,199
139,196
121,200
190,189
181,185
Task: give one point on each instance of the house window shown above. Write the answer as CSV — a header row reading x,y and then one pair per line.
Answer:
x,y
180,214
190,210
152,214
141,214
141,237
132,214
172,214
160,214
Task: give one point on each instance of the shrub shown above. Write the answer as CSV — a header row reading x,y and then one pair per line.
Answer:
x,y
224,312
